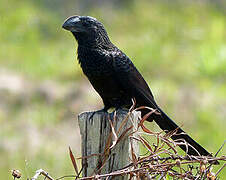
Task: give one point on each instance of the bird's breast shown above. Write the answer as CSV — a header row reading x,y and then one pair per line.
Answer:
x,y
95,65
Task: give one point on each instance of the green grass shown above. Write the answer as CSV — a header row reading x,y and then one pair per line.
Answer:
x,y
179,48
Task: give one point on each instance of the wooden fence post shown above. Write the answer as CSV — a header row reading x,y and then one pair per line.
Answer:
x,y
97,134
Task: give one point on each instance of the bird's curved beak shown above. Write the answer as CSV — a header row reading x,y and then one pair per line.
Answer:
x,y
73,24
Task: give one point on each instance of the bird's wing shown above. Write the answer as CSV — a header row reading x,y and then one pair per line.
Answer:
x,y
131,80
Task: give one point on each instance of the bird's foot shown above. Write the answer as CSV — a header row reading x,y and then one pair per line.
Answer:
x,y
111,109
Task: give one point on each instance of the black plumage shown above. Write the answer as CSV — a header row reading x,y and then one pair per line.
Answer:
x,y
114,76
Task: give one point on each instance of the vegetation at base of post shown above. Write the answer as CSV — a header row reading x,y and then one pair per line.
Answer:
x,y
161,160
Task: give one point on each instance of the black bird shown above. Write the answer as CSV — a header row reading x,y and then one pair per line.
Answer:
x,y
115,78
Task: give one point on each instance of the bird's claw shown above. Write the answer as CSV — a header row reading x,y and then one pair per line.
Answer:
x,y
111,110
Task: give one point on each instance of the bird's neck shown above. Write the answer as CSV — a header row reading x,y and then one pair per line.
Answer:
x,y
86,53
93,41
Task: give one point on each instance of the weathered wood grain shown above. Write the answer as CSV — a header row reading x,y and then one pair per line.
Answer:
x,y
96,133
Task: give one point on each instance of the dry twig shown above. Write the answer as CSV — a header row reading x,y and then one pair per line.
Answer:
x,y
162,159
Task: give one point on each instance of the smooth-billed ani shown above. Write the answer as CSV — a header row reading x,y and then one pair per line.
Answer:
x,y
115,78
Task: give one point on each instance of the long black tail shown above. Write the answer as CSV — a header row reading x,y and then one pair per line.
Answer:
x,y
166,124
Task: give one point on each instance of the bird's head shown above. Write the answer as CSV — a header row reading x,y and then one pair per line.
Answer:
x,y
87,30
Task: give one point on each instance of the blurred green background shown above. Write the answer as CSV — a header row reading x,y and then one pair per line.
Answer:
x,y
178,46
